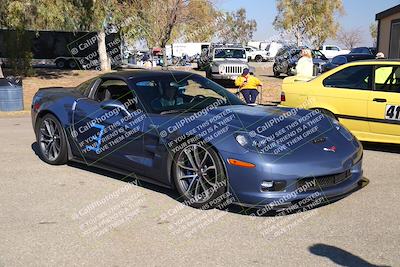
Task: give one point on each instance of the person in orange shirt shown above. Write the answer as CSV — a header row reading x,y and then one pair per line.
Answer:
x,y
248,85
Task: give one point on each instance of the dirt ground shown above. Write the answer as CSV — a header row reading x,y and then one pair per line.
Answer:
x,y
70,78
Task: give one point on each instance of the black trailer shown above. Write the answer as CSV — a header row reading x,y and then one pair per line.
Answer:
x,y
63,49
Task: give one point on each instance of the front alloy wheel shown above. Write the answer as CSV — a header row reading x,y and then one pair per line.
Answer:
x,y
199,175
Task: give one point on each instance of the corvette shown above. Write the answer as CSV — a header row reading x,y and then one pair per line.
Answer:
x,y
182,131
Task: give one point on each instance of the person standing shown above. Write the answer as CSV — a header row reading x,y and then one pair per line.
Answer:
x,y
305,65
248,86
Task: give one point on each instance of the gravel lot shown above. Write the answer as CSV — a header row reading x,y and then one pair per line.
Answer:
x,y
70,215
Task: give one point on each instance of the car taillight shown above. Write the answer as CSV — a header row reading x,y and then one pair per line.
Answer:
x,y
36,106
283,97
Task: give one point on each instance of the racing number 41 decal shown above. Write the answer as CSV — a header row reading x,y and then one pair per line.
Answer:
x,y
392,112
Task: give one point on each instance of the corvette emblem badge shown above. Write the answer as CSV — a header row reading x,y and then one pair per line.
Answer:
x,y
330,149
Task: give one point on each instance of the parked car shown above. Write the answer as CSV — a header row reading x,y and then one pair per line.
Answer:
x,y
343,59
208,146
224,61
254,54
331,51
364,50
287,58
363,95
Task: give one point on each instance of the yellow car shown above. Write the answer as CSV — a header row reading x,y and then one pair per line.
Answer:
x,y
364,96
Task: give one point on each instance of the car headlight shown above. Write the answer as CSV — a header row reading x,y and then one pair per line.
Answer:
x,y
258,143
346,134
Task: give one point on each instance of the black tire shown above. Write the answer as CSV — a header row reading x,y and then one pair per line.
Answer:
x,y
259,58
72,64
208,74
276,72
61,63
203,185
51,140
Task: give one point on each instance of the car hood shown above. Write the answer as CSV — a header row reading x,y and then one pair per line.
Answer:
x,y
279,131
253,118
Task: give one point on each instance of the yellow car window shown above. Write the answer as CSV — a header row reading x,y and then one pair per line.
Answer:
x,y
353,77
387,79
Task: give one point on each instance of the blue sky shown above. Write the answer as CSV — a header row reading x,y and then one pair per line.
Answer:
x,y
359,14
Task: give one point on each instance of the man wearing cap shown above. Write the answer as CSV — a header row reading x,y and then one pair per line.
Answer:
x,y
248,85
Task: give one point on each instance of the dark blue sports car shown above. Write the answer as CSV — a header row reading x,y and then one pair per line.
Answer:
x,y
183,131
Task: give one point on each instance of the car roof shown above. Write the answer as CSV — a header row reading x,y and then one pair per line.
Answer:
x,y
358,55
142,73
380,61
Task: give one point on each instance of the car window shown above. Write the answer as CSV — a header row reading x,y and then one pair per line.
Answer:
x,y
339,60
360,50
354,77
332,48
387,79
84,87
115,90
230,53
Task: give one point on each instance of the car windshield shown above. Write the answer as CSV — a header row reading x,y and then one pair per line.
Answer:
x,y
177,93
230,53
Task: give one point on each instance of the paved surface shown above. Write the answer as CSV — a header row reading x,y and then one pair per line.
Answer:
x,y
69,215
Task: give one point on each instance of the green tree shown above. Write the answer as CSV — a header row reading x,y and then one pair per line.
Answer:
x,y
308,21
67,15
235,27
201,21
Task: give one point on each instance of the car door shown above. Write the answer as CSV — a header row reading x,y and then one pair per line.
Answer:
x,y
346,93
384,101
105,134
249,53
154,154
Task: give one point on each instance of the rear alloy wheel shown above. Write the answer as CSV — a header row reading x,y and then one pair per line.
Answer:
x,y
199,176
51,140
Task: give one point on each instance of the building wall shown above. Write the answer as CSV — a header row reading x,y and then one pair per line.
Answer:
x,y
384,34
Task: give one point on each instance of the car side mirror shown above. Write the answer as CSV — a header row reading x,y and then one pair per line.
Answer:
x,y
114,104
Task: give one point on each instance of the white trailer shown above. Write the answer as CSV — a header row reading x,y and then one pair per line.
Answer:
x,y
189,49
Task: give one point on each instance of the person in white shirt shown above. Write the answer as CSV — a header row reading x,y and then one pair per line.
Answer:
x,y
305,65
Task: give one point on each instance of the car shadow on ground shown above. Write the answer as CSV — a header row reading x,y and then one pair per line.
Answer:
x,y
113,175
339,256
388,148
232,208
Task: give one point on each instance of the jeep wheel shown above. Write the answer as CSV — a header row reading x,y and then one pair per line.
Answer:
x,y
259,58
276,72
